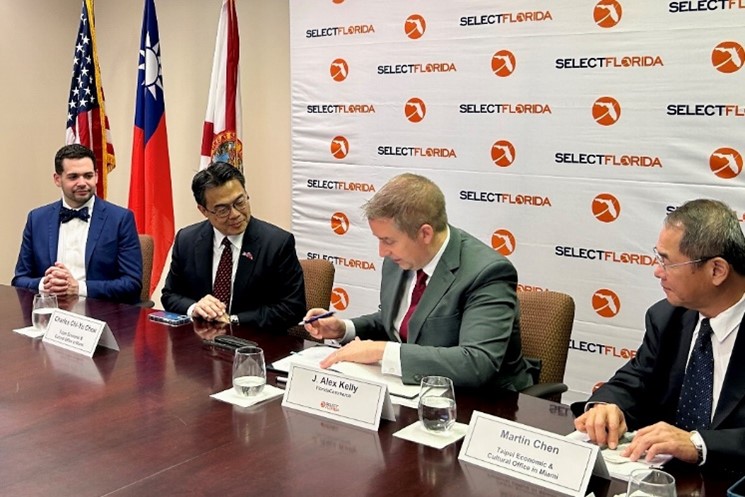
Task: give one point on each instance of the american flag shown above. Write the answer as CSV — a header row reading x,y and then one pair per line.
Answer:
x,y
87,123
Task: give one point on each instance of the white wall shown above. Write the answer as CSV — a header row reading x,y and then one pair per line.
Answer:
x,y
36,53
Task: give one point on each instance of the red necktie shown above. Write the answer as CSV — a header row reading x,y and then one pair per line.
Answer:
x,y
224,274
416,295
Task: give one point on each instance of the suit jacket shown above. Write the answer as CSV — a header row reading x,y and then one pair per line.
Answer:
x,y
647,388
466,324
113,259
268,291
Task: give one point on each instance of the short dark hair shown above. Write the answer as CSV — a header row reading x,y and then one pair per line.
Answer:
x,y
216,174
710,229
411,201
73,151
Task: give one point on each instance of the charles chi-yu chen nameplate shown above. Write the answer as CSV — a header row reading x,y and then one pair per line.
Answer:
x,y
326,393
530,454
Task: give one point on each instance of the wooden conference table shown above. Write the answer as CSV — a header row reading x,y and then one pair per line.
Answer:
x,y
140,422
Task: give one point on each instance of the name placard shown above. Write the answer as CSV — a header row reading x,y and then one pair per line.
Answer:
x,y
78,333
332,395
530,454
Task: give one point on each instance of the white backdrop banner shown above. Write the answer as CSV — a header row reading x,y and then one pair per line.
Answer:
x,y
560,132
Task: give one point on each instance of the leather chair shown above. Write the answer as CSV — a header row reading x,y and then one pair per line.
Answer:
x,y
147,247
546,320
319,280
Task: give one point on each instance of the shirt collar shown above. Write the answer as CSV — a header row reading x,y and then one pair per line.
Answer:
x,y
728,320
235,240
88,204
431,265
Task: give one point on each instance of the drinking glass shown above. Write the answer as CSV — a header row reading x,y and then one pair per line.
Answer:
x,y
44,306
249,371
649,482
437,410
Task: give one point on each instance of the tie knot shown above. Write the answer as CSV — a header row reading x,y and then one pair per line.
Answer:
x,y
421,276
226,242
66,214
705,329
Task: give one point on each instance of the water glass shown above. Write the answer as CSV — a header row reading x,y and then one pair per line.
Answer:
x,y
249,371
649,482
437,410
44,306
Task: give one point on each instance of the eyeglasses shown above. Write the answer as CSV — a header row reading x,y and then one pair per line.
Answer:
x,y
223,211
666,266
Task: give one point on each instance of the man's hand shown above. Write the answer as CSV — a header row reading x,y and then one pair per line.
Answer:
x,y
325,328
59,281
603,423
662,438
363,352
211,309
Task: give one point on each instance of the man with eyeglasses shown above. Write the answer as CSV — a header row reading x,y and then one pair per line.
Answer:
x,y
232,267
684,392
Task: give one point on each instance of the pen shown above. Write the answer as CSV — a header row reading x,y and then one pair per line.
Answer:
x,y
317,317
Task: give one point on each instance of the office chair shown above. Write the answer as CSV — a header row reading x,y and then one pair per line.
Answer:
x,y
147,246
319,280
545,327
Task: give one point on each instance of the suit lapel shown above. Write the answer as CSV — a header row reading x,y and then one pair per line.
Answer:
x,y
203,251
98,220
250,251
678,365
54,232
392,300
733,386
439,283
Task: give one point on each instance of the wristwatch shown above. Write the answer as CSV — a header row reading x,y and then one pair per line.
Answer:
x,y
698,442
234,319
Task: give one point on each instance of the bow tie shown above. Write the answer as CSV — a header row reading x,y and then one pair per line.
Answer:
x,y
66,214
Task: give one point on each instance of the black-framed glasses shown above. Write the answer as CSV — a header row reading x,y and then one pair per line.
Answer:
x,y
666,265
223,211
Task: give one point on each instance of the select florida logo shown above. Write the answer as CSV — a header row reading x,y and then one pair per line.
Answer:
x,y
607,13
503,241
347,186
503,63
606,111
601,349
339,147
606,303
609,62
415,26
506,18
601,255
726,163
728,57
606,208
593,159
503,153
343,261
339,298
415,109
505,198
340,109
420,68
339,223
351,30
339,70
704,5
706,110
504,108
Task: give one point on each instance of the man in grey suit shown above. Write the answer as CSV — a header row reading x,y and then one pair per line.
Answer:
x,y
447,301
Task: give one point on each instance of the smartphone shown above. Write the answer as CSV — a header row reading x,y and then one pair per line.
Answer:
x,y
169,318
738,489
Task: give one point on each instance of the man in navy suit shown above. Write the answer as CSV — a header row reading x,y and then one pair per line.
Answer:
x,y
232,267
80,245
684,391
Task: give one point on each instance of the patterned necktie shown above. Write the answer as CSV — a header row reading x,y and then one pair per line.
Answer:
x,y
224,275
694,406
66,214
416,295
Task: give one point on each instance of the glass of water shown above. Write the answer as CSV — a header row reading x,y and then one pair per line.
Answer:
x,y
649,482
437,410
249,371
44,306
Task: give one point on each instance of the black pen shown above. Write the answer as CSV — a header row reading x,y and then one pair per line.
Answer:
x,y
317,317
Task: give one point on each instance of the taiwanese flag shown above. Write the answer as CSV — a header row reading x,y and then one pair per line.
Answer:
x,y
87,123
221,133
150,196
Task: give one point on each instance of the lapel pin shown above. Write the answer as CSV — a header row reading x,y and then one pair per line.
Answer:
x,y
248,255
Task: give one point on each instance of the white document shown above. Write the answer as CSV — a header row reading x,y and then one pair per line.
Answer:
x,y
314,355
